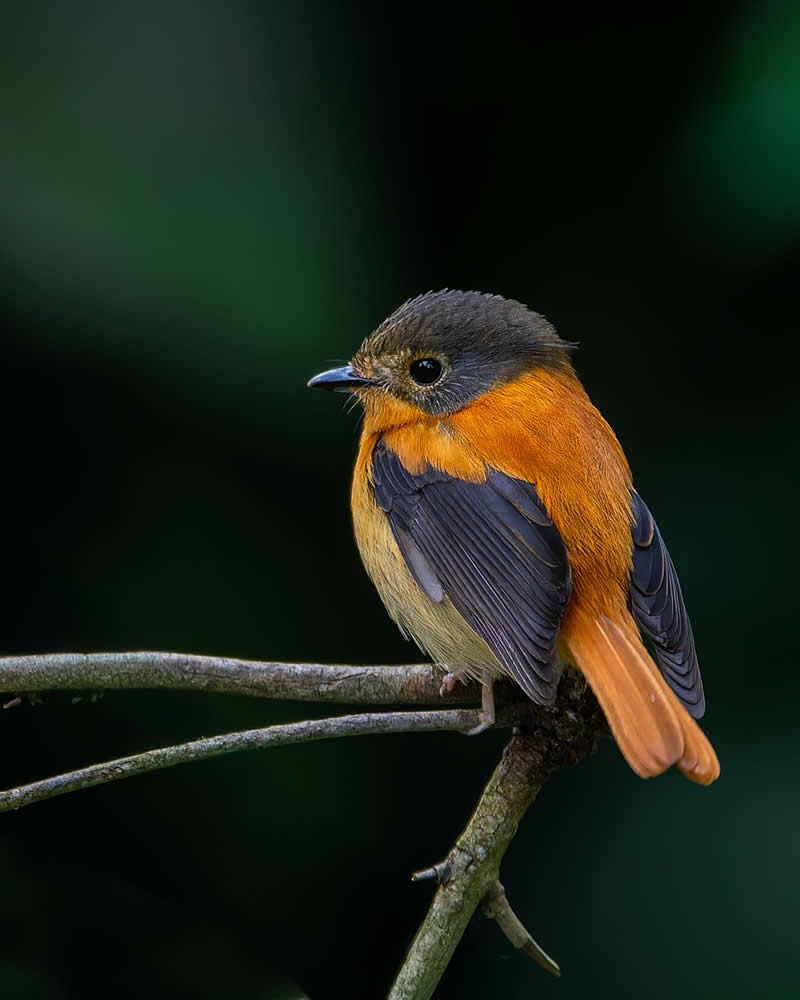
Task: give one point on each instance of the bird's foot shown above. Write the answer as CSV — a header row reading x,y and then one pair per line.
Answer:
x,y
487,713
485,723
449,682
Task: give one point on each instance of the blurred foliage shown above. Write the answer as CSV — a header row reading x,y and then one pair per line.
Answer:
x,y
743,141
204,203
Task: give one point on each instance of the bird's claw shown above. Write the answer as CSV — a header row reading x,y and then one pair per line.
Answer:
x,y
485,723
487,714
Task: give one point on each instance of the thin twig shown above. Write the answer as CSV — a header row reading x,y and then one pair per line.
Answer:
x,y
438,873
406,684
252,739
497,907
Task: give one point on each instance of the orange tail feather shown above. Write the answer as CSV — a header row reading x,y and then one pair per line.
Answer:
x,y
652,729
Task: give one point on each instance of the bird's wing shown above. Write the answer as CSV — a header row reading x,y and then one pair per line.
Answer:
x,y
493,551
657,605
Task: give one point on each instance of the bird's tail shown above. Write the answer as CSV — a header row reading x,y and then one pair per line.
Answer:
x,y
652,729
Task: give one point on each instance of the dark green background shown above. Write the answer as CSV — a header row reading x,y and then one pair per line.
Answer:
x,y
202,204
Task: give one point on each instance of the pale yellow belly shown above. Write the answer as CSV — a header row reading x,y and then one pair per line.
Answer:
x,y
436,627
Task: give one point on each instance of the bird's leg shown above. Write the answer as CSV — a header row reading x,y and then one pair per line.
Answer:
x,y
487,715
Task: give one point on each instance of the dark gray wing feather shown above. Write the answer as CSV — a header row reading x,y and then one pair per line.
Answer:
x,y
658,607
491,548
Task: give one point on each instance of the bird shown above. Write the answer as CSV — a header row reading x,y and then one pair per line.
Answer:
x,y
495,513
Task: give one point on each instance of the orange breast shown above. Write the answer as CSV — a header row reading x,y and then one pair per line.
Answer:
x,y
541,428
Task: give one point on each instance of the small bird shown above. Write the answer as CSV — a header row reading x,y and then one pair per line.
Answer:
x,y
495,513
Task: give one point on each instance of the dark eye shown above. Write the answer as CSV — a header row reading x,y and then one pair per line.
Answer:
x,y
425,371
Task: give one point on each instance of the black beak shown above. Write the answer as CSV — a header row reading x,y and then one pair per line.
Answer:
x,y
338,378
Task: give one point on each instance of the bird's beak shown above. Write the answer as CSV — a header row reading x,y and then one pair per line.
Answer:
x,y
338,378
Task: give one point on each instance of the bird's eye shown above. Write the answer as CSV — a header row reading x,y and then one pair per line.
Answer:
x,y
425,371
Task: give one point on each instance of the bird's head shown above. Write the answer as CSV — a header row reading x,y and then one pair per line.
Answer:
x,y
441,350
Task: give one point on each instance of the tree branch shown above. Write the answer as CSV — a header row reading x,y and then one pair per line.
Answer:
x,y
252,739
563,734
545,739
412,684
497,907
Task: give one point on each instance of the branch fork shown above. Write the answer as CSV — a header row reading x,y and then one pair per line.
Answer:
x,y
543,740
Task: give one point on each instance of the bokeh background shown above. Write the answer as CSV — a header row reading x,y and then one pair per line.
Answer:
x,y
202,204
